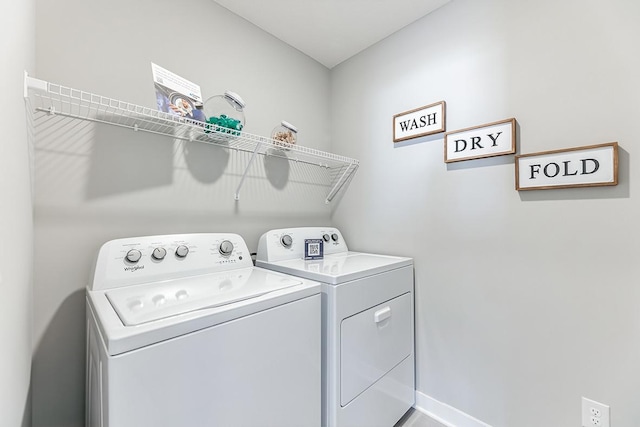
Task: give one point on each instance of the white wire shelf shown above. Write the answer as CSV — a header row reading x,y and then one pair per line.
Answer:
x,y
45,99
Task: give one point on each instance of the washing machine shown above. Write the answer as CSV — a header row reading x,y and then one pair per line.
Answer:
x,y
367,323
183,330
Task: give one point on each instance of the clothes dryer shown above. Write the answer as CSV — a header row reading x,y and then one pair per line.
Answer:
x,y
183,330
367,323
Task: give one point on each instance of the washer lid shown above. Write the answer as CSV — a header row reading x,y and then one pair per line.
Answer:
x,y
338,268
144,303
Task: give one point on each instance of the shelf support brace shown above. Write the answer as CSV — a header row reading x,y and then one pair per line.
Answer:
x,y
338,185
246,170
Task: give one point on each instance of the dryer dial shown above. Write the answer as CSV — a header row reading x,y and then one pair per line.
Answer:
x,y
225,248
334,237
286,241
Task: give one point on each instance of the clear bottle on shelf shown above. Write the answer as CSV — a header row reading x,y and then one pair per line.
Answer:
x,y
225,114
285,134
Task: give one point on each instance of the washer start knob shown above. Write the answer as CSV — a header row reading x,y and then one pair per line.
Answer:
x,y
182,251
334,237
133,255
225,248
286,241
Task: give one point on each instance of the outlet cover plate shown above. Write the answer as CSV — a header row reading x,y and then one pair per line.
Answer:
x,y
592,409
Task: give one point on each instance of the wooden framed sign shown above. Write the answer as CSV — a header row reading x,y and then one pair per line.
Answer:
x,y
493,139
589,166
421,121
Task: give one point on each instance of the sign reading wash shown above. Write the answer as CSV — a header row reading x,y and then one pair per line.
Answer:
x,y
422,121
590,166
493,139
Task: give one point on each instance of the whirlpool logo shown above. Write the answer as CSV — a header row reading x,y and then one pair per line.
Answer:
x,y
134,268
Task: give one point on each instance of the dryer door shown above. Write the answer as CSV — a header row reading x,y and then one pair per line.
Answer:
x,y
372,343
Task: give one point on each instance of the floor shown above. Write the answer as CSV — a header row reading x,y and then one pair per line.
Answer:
x,y
415,418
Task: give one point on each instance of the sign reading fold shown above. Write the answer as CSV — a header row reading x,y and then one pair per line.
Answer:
x,y
588,166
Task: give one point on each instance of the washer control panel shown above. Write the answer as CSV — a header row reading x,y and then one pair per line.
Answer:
x,y
136,260
288,243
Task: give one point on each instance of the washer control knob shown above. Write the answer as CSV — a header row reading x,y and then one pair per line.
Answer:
x,y
159,253
286,241
225,248
326,237
334,237
133,255
182,251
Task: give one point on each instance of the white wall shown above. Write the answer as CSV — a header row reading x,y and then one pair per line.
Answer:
x,y
17,50
525,301
95,183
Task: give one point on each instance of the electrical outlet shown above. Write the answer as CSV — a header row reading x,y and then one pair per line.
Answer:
x,y
595,414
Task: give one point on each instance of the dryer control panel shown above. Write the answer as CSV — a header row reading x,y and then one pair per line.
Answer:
x,y
288,243
146,259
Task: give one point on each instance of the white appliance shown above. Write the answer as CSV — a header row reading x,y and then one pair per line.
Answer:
x,y
183,330
368,323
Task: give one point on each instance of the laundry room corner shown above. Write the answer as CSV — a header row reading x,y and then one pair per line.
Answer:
x,y
96,182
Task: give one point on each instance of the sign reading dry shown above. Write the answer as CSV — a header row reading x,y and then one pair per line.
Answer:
x,y
493,139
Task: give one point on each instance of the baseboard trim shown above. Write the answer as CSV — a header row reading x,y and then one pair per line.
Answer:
x,y
445,414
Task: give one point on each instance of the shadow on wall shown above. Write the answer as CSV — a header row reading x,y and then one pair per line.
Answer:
x,y
26,414
100,161
123,161
419,140
276,166
205,162
60,367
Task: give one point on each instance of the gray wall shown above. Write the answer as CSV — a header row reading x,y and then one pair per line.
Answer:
x,y
17,50
525,301
95,183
